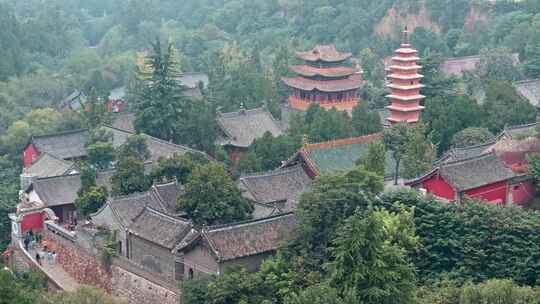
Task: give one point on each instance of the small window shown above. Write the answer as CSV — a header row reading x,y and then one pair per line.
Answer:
x,y
190,274
516,187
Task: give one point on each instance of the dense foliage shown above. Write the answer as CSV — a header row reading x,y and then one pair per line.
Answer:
x,y
474,241
51,48
211,197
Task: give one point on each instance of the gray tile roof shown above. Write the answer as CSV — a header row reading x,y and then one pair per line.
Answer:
x,y
342,154
159,228
73,101
476,172
167,195
456,154
158,148
119,136
285,184
124,121
163,149
520,131
126,208
47,166
65,145
57,191
250,238
530,90
243,127
261,211
62,190
459,65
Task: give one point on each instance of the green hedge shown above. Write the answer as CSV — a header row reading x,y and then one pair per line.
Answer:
x,y
473,241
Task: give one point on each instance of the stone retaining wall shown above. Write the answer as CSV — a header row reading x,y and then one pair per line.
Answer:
x,y
117,280
138,290
83,267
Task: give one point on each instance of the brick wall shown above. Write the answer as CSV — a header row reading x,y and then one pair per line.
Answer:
x,y
118,281
138,290
83,267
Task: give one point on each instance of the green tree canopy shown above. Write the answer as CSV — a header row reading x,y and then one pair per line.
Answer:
x,y
211,197
323,209
129,176
135,147
161,101
91,200
420,153
365,121
267,153
101,154
504,107
178,167
371,257
375,158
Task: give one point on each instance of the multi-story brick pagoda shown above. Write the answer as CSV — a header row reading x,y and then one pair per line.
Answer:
x,y
404,83
324,78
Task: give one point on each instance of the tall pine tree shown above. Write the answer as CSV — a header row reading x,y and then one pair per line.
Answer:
x,y
161,104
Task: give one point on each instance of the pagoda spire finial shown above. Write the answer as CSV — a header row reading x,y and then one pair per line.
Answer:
x,y
305,141
405,36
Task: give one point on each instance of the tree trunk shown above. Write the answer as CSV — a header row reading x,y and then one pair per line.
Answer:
x,y
396,174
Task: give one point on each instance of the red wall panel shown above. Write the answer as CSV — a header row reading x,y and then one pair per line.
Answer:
x,y
32,221
492,193
29,155
437,186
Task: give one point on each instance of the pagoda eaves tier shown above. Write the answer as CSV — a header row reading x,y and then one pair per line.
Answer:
x,y
404,83
324,79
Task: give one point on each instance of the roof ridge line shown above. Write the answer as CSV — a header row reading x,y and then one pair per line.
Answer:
x,y
117,129
476,146
58,176
261,108
131,195
520,126
56,157
527,80
155,195
245,223
60,133
165,183
277,171
173,144
159,213
343,142
483,155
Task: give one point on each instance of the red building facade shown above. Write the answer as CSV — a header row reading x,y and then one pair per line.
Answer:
x,y
324,79
483,177
404,83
